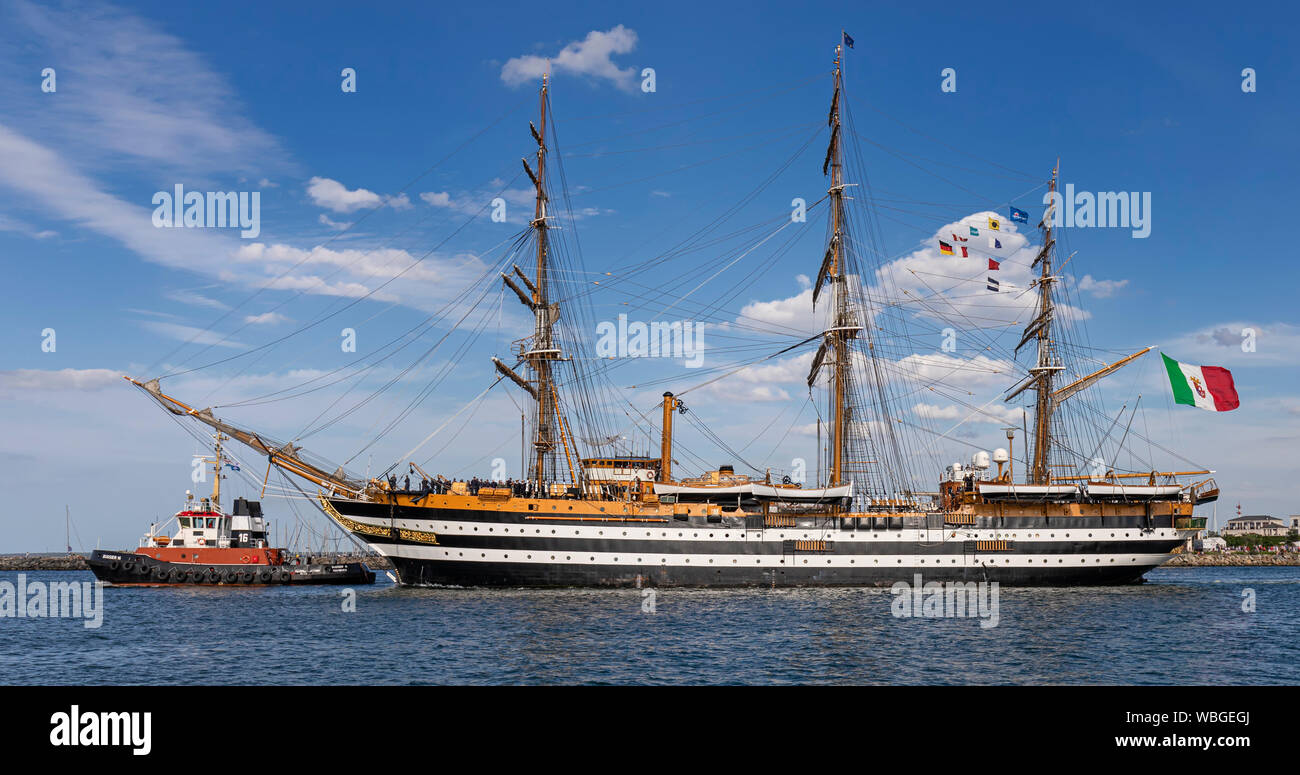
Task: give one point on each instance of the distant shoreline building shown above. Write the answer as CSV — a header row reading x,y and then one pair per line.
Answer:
x,y
1259,524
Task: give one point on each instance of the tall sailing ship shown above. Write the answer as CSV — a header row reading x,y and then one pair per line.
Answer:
x,y
611,519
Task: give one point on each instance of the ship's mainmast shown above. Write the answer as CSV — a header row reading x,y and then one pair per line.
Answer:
x,y
842,323
1047,363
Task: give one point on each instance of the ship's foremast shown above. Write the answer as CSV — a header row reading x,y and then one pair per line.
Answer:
x,y
540,352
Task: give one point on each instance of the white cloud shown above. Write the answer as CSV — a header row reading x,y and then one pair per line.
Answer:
x,y
335,196
995,413
266,318
340,226
970,374
794,313
1220,344
1101,288
590,58
437,198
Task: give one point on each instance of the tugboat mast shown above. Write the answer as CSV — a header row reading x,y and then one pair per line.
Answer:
x,y
216,471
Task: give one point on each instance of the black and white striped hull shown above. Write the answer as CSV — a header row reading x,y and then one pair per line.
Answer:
x,y
433,546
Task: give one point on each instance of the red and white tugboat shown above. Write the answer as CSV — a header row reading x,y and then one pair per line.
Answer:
x,y
211,547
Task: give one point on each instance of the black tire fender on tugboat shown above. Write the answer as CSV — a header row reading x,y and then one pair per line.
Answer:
x,y
160,573
229,576
142,569
128,567
286,576
264,575
114,565
173,574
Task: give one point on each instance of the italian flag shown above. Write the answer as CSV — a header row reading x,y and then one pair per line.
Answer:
x,y
1205,387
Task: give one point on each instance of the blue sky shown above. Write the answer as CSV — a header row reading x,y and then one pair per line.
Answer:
x,y
247,97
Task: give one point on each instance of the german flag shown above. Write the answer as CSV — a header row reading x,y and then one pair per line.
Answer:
x,y
945,248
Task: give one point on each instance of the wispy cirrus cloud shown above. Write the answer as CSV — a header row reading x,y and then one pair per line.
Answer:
x,y
191,334
58,379
117,96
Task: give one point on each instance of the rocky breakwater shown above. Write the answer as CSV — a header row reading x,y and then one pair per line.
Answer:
x,y
13,562
1232,559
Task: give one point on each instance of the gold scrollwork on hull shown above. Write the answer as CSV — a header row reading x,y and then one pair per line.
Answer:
x,y
419,536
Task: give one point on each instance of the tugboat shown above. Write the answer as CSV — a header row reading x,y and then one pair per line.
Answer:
x,y
210,547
